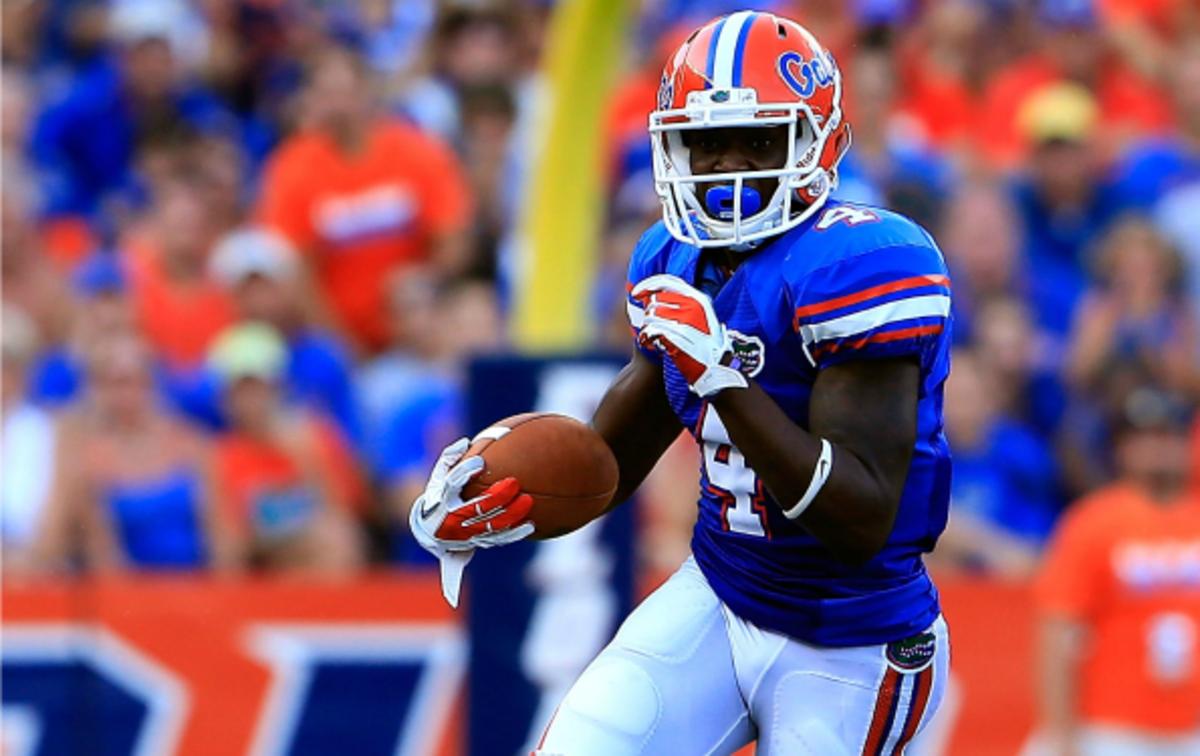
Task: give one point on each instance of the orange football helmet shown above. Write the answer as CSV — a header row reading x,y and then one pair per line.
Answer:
x,y
748,69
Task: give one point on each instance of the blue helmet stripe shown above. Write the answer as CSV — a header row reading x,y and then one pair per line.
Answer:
x,y
709,72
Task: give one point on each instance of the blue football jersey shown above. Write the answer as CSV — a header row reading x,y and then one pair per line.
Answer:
x,y
851,283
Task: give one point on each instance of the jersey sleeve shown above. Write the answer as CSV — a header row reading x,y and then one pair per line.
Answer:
x,y
889,302
645,262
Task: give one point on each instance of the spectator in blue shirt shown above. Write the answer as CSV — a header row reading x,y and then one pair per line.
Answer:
x,y
86,140
1167,171
1003,502
261,271
138,492
1155,167
1026,364
415,392
1137,314
891,163
1064,200
1134,327
102,307
998,293
981,237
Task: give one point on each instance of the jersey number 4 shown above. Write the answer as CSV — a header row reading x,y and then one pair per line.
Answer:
x,y
732,480
851,216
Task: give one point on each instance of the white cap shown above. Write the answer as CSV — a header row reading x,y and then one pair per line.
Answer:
x,y
252,251
174,21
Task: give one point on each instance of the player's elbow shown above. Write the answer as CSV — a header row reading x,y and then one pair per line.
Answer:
x,y
868,537
859,551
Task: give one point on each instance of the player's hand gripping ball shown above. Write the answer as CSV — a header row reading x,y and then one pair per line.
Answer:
x,y
451,526
563,465
535,474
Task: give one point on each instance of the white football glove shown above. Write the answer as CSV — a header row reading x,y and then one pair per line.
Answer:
x,y
451,529
679,320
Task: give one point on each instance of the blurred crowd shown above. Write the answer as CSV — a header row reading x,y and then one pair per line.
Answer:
x,y
250,245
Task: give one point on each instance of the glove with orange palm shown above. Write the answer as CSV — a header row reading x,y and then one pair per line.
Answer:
x,y
451,529
679,320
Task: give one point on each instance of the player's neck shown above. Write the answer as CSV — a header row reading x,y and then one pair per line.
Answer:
x,y
731,258
728,259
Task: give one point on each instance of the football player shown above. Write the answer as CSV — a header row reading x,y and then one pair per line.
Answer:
x,y
804,343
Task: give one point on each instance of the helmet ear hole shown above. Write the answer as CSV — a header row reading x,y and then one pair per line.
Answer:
x,y
781,30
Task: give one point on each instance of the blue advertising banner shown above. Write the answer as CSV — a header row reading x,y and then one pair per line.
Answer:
x,y
539,611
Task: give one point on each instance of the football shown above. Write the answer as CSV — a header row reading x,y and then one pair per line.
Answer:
x,y
563,464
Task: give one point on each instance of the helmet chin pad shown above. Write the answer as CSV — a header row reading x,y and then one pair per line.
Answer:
x,y
720,200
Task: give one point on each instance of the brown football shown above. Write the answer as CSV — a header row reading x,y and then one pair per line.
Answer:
x,y
563,464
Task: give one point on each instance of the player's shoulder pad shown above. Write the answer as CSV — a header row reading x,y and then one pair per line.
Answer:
x,y
653,255
862,282
842,232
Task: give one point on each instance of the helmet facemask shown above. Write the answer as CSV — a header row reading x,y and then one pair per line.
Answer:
x,y
803,184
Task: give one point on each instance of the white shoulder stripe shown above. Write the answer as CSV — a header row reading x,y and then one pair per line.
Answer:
x,y
726,46
932,305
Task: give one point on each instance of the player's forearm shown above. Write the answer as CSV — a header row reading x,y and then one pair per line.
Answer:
x,y
851,515
1058,670
637,423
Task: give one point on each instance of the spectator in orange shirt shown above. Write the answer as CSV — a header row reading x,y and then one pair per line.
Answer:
x,y
1146,31
287,479
1119,603
1071,48
179,307
360,195
942,69
1196,457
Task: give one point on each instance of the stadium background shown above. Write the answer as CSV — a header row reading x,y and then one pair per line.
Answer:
x,y
231,351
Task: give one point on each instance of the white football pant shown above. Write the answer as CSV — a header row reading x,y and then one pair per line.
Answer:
x,y
684,675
